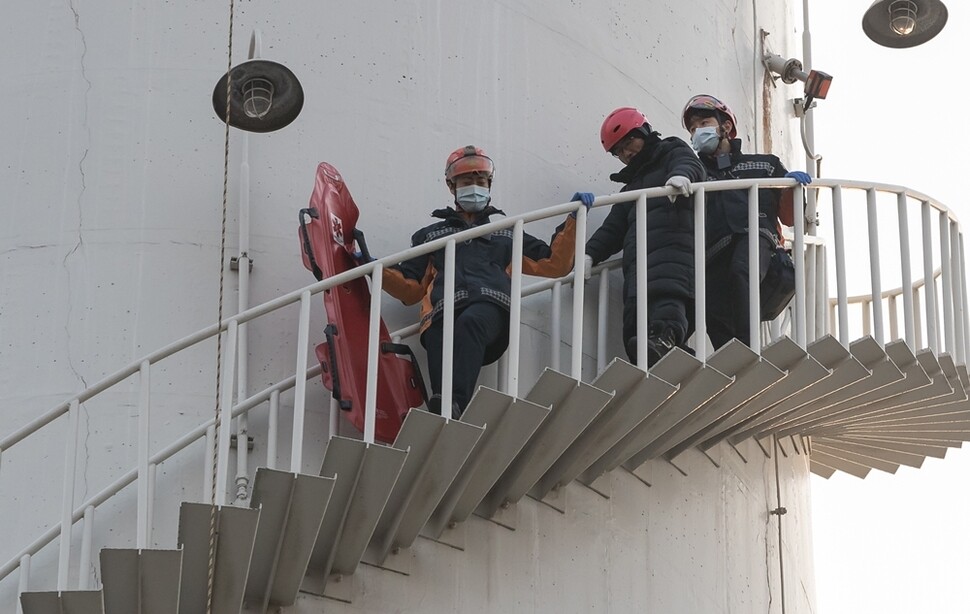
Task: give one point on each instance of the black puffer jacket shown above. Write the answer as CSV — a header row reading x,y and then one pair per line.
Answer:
x,y
727,212
482,265
670,226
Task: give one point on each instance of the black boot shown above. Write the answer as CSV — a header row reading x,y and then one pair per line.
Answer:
x,y
660,341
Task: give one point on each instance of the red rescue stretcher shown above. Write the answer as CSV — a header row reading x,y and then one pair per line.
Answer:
x,y
329,239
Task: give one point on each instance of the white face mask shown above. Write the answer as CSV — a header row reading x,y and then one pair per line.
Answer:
x,y
705,140
472,198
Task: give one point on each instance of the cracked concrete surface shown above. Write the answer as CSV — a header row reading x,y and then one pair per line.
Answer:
x,y
80,243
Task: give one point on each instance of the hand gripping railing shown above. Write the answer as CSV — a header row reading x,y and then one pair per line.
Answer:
x,y
807,327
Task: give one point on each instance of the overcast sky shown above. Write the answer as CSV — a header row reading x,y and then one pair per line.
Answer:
x,y
894,543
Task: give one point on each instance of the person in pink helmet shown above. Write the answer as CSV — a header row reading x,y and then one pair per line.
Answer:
x,y
651,161
713,129
482,282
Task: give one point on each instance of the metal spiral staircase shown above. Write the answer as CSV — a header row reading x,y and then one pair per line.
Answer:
x,y
850,407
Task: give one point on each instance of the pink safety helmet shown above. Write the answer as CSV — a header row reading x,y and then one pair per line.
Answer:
x,y
468,159
618,124
705,102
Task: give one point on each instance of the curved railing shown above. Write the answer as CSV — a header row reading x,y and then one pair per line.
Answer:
x,y
808,318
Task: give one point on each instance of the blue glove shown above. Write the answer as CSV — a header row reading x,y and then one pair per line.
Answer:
x,y
800,176
584,197
360,259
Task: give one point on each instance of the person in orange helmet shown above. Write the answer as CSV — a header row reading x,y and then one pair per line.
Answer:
x,y
482,275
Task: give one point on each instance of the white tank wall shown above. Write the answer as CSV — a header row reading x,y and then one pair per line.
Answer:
x,y
111,177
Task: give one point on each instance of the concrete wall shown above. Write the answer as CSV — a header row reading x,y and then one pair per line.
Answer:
x,y
111,177
703,542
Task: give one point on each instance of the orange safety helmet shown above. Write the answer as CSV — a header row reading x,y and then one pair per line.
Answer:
x,y
618,124
705,102
468,159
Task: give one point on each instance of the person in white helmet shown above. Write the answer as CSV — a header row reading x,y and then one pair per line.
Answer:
x,y
713,129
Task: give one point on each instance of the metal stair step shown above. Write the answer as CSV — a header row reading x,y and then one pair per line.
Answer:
x,y
936,391
856,457
888,455
883,374
918,384
706,383
235,533
509,423
695,384
142,581
365,474
574,405
636,394
66,602
838,464
437,450
844,368
801,370
291,509
751,376
914,381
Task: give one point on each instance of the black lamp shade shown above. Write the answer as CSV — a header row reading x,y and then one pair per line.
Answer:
x,y
286,96
930,18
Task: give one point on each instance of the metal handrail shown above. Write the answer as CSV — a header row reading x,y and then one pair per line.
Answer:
x,y
953,286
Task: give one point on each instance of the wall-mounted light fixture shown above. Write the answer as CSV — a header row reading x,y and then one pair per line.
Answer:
x,y
264,96
904,23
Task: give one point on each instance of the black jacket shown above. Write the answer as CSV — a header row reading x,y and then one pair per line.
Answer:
x,y
482,265
727,212
670,226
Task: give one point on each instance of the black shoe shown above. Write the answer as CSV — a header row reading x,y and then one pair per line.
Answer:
x,y
659,343
631,349
434,406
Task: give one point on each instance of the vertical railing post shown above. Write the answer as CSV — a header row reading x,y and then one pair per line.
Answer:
x,y
893,318
272,428
918,317
373,352
929,286
958,281
24,581
799,252
67,494
87,536
821,292
555,329
208,462
641,234
502,373
875,269
242,368
838,219
144,444
448,331
946,266
602,320
700,274
579,293
299,389
150,521
515,310
866,317
225,413
904,252
334,418
963,301
754,270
